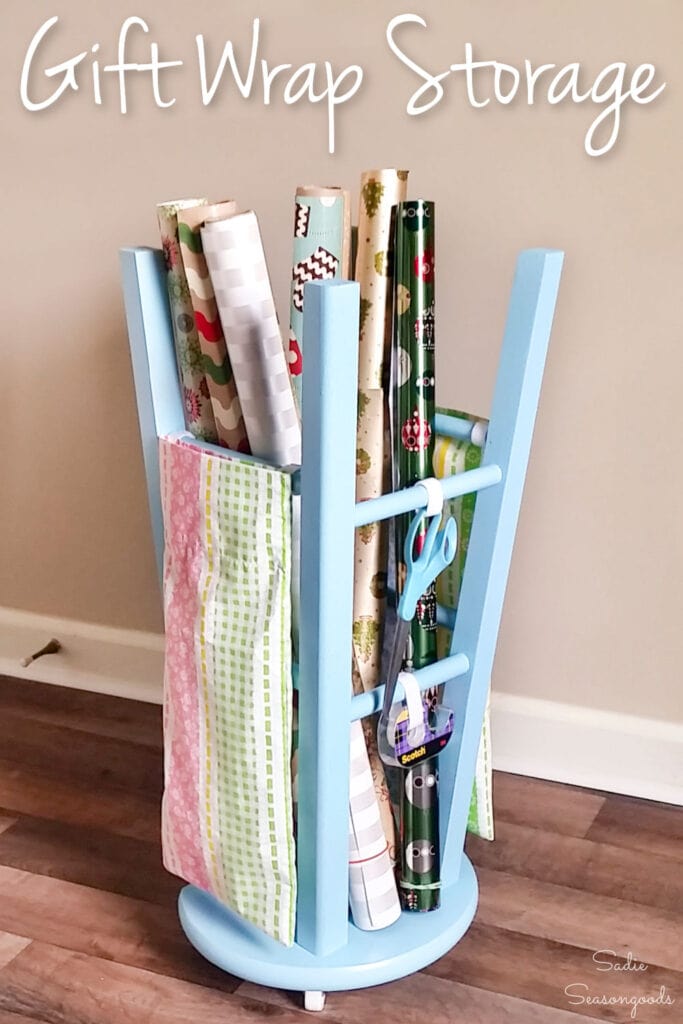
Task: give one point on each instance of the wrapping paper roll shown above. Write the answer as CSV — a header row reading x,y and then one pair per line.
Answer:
x,y
199,417
382,794
322,250
373,896
413,433
450,457
225,402
237,265
380,191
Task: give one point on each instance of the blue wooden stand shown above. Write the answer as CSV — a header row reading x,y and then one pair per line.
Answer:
x,y
330,953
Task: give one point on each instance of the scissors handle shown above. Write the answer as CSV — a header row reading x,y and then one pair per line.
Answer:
x,y
438,551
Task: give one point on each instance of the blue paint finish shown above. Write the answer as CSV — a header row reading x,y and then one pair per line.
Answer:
x,y
453,426
456,665
330,953
157,390
375,509
369,958
515,401
328,483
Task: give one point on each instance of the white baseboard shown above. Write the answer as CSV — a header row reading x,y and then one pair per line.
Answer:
x,y
120,662
598,749
602,750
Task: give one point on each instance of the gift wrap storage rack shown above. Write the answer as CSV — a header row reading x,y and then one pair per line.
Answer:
x,y
330,953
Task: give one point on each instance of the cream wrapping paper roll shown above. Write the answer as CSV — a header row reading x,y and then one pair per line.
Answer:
x,y
239,275
199,417
380,191
220,381
373,896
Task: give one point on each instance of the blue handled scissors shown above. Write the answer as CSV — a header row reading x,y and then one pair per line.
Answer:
x,y
438,551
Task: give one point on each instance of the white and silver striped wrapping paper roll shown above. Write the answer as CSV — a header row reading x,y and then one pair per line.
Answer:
x,y
373,895
237,267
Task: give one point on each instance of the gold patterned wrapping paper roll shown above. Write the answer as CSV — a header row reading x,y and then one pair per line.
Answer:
x,y
380,191
199,417
216,363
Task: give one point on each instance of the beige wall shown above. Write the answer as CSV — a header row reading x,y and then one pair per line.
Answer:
x,y
593,609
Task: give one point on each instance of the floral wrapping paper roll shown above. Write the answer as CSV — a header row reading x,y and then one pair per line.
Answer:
x,y
413,433
220,381
322,250
199,417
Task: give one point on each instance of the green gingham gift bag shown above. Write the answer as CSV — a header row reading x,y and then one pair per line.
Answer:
x,y
227,806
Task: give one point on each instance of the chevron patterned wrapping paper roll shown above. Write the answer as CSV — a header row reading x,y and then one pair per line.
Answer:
x,y
322,248
199,417
237,265
227,805
452,456
225,401
373,895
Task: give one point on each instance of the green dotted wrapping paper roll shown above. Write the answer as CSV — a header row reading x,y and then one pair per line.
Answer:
x,y
454,456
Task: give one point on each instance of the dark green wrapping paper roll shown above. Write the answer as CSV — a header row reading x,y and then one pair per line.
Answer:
x,y
413,432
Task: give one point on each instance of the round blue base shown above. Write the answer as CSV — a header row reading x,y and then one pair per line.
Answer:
x,y
369,958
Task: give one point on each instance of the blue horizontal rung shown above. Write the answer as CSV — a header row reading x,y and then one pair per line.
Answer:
x,y
433,675
415,497
461,429
445,616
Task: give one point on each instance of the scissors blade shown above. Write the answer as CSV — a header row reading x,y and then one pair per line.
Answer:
x,y
395,663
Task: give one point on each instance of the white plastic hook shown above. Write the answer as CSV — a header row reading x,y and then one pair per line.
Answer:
x,y
413,699
434,495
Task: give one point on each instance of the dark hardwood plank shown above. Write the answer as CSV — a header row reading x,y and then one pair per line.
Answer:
x,y
11,946
102,924
62,987
549,973
581,864
69,753
551,806
36,792
100,714
421,998
89,856
576,918
640,825
15,1018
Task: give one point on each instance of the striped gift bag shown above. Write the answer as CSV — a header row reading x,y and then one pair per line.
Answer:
x,y
227,805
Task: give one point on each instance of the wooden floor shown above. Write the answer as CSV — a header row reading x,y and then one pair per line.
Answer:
x,y
88,928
